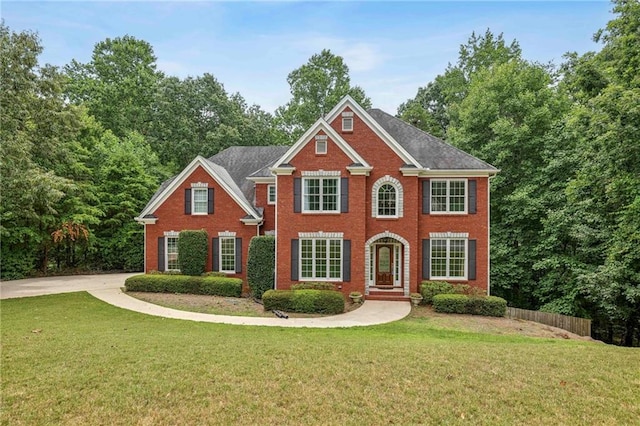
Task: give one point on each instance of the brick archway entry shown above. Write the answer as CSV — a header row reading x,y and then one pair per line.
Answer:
x,y
387,257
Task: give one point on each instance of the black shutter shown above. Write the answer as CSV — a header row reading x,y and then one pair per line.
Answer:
x,y
473,184
426,197
238,255
346,260
215,249
187,201
160,253
426,260
297,195
210,201
344,195
471,274
294,260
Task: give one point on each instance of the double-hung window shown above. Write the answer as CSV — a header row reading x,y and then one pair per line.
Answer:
x,y
321,259
321,194
387,198
200,201
448,258
171,251
448,196
271,194
228,254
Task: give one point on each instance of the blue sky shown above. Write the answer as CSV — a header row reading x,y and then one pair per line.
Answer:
x,y
391,48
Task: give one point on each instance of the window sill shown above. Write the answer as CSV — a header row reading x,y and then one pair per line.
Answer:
x,y
321,213
449,213
387,218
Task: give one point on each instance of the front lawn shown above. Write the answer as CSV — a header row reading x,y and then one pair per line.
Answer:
x,y
71,359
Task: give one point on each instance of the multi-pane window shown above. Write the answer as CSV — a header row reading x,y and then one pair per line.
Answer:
x,y
387,200
347,124
448,196
448,258
172,254
200,200
227,254
320,194
321,259
271,194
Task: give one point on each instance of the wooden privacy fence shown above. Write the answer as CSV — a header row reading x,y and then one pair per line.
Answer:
x,y
579,326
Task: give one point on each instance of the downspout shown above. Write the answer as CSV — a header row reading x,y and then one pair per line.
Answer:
x,y
489,234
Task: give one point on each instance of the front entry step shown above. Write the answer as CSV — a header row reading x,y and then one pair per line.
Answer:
x,y
390,295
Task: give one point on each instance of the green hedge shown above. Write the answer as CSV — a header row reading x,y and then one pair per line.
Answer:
x,y
215,286
462,304
193,249
428,289
450,303
304,301
313,286
261,263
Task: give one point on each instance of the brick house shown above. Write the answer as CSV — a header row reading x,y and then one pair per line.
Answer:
x,y
362,199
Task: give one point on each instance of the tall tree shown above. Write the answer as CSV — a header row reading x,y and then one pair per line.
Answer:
x,y
196,116
439,98
117,85
316,87
39,156
508,118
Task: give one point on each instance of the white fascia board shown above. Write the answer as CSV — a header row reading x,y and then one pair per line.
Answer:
x,y
146,220
455,173
262,179
373,124
179,180
321,124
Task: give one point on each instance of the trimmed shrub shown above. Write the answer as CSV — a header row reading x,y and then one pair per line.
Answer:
x,y
193,248
159,283
493,306
214,274
450,303
313,286
428,289
490,306
304,301
261,263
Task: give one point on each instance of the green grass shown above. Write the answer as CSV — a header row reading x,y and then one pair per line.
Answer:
x,y
71,359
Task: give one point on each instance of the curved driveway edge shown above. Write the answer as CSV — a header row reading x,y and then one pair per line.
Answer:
x,y
370,313
108,289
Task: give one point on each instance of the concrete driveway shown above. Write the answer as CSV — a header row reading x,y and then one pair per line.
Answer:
x,y
55,285
107,288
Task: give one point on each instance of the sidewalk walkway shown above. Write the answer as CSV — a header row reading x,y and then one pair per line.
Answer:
x,y
107,289
370,313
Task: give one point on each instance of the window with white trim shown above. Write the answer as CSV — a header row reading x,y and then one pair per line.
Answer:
x,y
347,124
171,257
228,254
321,259
321,146
271,194
449,258
449,196
200,201
387,199
321,194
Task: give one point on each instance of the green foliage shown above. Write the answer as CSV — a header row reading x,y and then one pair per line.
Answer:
x,y
316,87
193,249
313,286
261,263
117,85
304,301
428,289
450,303
166,283
474,305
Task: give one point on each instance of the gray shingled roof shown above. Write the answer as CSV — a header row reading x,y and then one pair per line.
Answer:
x,y
431,152
234,165
244,161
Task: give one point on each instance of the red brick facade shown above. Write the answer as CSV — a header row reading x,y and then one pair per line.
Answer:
x,y
359,160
